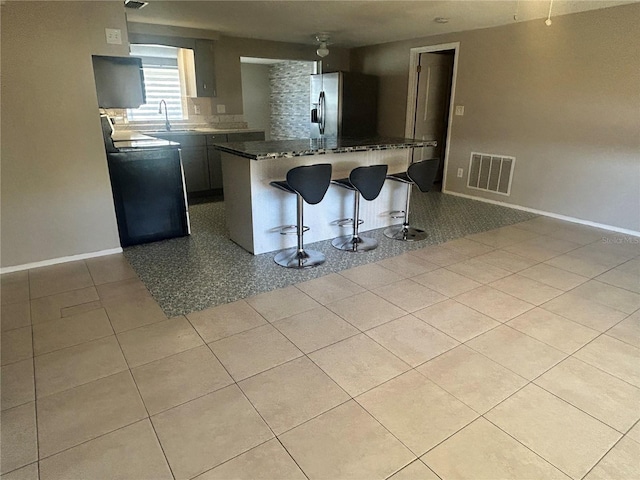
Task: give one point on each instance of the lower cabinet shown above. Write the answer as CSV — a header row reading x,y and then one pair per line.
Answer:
x,y
196,169
214,158
215,168
202,163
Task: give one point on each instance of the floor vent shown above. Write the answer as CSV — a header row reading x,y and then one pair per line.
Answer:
x,y
491,172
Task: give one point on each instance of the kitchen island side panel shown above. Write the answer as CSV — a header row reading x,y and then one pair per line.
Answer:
x,y
236,175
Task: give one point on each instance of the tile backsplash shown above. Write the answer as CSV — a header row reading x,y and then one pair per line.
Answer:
x,y
289,99
205,119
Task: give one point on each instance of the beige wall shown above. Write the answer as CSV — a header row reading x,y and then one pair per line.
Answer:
x,y
56,196
256,92
564,100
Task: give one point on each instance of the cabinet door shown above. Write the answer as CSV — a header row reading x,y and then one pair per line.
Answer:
x,y
215,168
205,75
245,136
196,169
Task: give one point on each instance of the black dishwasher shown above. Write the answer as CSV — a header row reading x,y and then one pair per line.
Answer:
x,y
148,193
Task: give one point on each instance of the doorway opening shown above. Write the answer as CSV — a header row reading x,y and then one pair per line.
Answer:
x,y
275,96
432,79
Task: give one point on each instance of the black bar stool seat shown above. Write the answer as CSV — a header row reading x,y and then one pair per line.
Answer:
x,y
366,182
421,174
310,184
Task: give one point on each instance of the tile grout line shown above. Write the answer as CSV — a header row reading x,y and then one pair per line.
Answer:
x,y
35,386
526,446
148,417
247,399
351,398
603,456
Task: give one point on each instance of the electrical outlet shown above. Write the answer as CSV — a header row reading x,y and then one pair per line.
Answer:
x,y
460,110
221,108
196,109
114,36
460,173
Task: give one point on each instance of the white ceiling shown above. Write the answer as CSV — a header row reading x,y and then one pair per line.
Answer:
x,y
351,23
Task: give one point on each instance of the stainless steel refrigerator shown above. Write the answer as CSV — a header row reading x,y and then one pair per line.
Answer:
x,y
343,104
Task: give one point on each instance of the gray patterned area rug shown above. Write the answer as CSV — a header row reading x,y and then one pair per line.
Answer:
x,y
206,269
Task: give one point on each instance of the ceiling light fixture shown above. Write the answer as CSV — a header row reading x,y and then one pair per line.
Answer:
x,y
441,20
547,22
322,39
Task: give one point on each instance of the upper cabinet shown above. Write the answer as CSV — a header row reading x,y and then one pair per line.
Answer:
x,y
202,60
119,81
205,74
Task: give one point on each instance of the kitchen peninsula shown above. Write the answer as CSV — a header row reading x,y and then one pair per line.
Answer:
x,y
256,211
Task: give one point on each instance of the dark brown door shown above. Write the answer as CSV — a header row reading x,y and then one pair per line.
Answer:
x,y
432,103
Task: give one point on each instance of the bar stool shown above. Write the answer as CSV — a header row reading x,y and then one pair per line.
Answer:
x,y
422,174
309,183
365,181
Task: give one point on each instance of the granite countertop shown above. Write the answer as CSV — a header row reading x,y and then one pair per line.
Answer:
x,y
257,150
130,136
127,145
126,134
132,140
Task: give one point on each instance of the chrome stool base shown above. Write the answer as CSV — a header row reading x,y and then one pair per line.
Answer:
x,y
421,174
294,258
349,243
405,233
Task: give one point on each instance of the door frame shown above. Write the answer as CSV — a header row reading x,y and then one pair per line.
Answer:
x,y
414,59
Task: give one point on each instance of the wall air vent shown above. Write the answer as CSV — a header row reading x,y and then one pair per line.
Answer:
x,y
492,173
135,4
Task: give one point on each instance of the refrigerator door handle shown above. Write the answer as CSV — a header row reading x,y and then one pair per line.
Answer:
x,y
321,116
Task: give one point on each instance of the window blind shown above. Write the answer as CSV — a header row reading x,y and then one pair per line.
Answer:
x,y
162,82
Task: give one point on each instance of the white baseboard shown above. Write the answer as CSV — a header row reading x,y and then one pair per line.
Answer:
x,y
55,261
547,214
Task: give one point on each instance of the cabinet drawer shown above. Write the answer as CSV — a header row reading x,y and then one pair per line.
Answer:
x,y
245,136
216,138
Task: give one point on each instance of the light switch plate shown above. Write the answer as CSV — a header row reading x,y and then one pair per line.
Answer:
x,y
460,172
221,108
460,110
114,36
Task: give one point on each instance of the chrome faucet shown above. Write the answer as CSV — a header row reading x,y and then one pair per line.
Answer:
x,y
167,125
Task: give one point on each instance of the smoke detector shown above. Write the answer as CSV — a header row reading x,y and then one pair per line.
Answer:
x,y
135,4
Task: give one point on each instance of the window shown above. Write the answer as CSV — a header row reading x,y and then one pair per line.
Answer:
x,y
163,80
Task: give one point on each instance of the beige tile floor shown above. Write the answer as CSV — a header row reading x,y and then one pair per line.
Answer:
x,y
513,353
